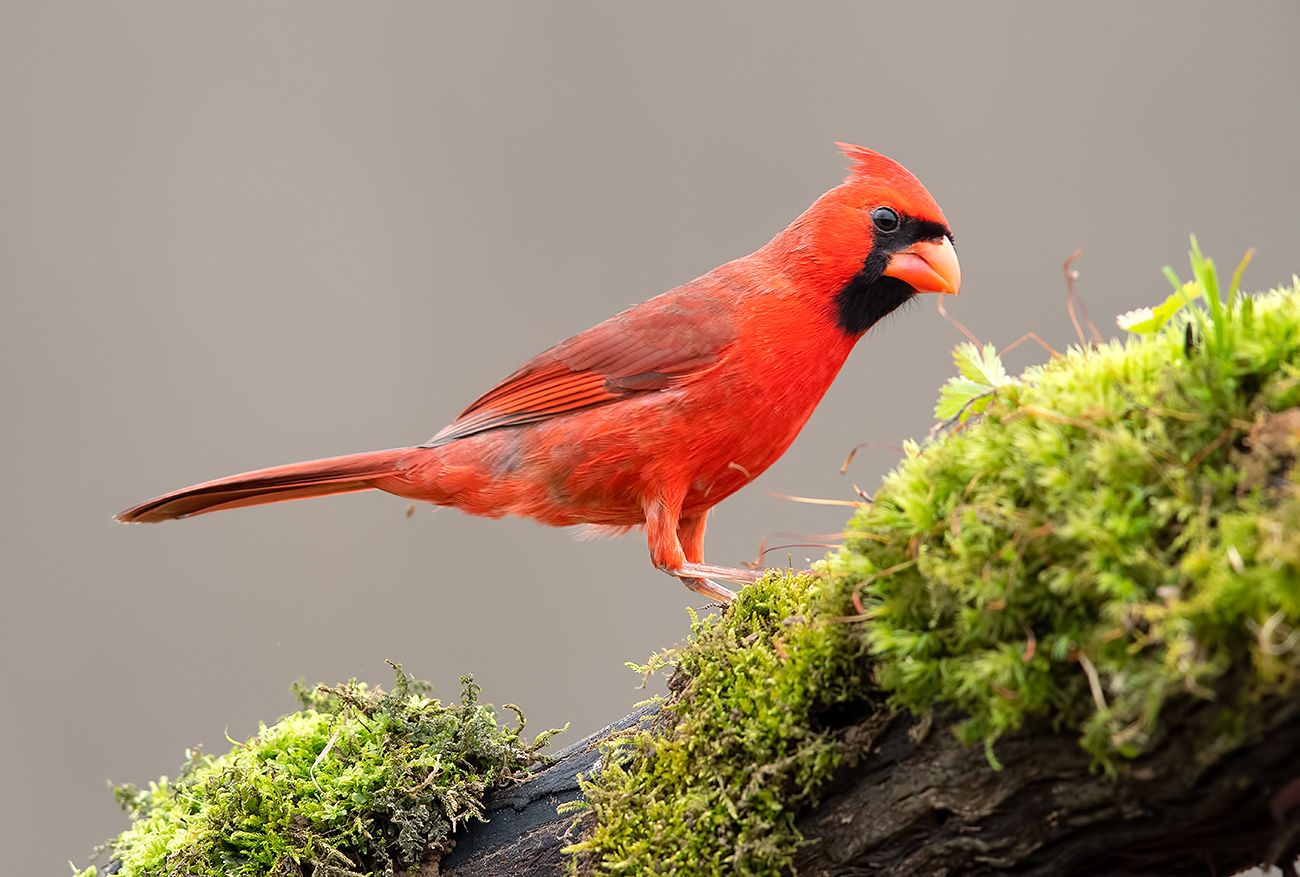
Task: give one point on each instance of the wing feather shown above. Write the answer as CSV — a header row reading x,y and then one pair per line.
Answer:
x,y
647,348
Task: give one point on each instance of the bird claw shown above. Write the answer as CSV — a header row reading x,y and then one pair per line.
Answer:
x,y
710,589
726,573
699,577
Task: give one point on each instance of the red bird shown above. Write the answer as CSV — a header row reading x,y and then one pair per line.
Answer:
x,y
661,412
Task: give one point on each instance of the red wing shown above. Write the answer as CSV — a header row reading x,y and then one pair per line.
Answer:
x,y
650,347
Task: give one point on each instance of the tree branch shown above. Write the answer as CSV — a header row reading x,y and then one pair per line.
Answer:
x,y
911,799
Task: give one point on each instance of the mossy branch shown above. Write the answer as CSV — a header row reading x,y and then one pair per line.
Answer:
x,y
910,798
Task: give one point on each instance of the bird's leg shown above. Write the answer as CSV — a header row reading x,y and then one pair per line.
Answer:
x,y
672,543
690,533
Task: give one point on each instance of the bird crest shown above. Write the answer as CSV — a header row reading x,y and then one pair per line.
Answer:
x,y
876,173
866,162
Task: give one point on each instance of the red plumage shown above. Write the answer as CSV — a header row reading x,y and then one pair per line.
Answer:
x,y
662,411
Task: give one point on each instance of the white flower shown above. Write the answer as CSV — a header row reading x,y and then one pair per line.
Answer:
x,y
1135,318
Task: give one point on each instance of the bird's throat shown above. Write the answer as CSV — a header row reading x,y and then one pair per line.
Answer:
x,y
868,298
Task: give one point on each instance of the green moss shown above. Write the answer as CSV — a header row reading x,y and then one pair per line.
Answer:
x,y
713,786
1094,545
359,782
1109,532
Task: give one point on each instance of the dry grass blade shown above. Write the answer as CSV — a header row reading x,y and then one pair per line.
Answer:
x,y
853,452
1030,336
970,336
812,500
1072,298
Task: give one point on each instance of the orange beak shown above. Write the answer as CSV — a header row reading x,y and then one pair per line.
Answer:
x,y
927,267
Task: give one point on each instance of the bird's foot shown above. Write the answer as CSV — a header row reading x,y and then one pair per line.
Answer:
x,y
699,577
710,589
726,573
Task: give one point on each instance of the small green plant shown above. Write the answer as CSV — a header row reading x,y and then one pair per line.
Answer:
x,y
980,374
360,782
1204,282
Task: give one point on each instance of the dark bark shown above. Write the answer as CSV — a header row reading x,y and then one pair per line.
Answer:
x,y
524,834
912,800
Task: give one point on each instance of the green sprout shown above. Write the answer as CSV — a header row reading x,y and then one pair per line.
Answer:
x,y
1204,282
981,373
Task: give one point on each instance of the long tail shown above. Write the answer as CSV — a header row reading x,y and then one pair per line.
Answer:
x,y
277,484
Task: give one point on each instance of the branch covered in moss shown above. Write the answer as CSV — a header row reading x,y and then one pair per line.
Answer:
x,y
1112,536
910,798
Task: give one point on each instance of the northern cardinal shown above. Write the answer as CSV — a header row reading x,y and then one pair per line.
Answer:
x,y
659,413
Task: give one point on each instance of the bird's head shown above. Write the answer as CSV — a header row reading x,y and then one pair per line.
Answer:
x,y
873,242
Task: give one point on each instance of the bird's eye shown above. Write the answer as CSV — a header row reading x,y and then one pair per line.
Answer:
x,y
886,219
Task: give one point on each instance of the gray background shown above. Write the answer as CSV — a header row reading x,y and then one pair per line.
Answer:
x,y
236,235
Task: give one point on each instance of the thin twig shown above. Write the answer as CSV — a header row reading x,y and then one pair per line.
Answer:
x,y
1094,681
812,500
1029,336
943,426
1203,454
863,613
970,336
827,545
1031,646
1053,416
1072,296
844,467
319,758
779,648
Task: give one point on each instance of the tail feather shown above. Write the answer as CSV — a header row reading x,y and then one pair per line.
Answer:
x,y
277,484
